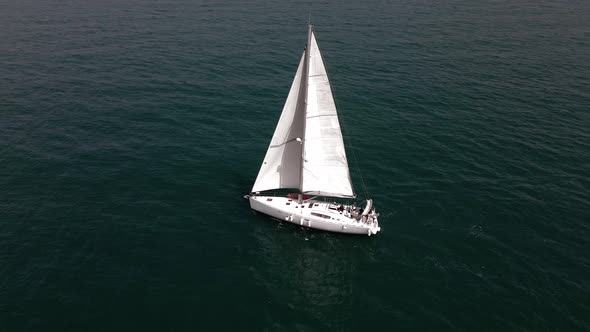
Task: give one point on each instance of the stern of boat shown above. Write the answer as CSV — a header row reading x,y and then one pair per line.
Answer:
x,y
374,223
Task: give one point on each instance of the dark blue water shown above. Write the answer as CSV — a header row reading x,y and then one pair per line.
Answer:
x,y
129,131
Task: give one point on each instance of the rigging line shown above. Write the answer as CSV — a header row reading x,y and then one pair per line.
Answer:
x,y
364,186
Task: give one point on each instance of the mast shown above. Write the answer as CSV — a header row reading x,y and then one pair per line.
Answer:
x,y
304,83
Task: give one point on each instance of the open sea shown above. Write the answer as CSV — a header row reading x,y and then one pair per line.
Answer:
x,y
130,130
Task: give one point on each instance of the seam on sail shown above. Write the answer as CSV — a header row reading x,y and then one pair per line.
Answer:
x,y
317,116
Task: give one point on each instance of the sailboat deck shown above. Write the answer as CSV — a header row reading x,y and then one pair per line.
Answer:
x,y
327,210
317,214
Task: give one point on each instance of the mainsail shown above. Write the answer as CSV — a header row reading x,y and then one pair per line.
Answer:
x,y
325,168
316,163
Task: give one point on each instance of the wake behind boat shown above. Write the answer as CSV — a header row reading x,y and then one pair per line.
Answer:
x,y
307,154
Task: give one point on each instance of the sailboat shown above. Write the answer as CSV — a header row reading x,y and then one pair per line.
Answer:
x,y
307,155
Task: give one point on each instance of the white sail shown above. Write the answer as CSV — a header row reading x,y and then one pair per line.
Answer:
x,y
325,168
281,167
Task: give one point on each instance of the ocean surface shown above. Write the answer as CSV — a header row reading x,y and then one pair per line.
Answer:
x,y
130,130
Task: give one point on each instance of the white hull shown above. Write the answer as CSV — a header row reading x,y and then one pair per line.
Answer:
x,y
316,214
